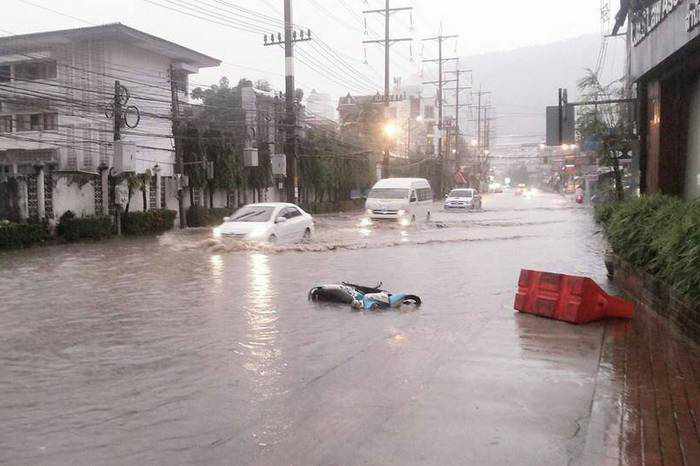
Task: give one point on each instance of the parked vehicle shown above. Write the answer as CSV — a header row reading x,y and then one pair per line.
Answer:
x,y
403,199
463,198
274,222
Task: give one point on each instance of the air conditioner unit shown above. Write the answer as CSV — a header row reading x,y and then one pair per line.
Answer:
x,y
124,156
279,164
250,157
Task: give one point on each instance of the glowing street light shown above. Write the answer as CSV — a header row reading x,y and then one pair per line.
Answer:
x,y
391,130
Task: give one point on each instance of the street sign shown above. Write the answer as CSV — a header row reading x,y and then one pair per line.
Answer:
x,y
568,127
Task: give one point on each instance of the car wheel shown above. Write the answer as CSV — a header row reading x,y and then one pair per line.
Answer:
x,y
272,239
307,236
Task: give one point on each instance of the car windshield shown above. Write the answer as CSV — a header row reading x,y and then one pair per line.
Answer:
x,y
462,193
253,213
388,193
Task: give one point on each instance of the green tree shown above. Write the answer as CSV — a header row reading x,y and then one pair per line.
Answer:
x,y
606,124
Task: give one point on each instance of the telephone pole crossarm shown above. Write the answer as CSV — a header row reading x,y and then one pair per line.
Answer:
x,y
391,10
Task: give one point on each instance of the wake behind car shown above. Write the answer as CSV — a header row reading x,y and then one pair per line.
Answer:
x,y
463,198
273,222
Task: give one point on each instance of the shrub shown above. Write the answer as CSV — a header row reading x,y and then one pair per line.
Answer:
x,y
152,222
660,234
204,217
22,235
72,228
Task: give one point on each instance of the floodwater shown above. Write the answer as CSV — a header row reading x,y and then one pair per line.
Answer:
x,y
183,349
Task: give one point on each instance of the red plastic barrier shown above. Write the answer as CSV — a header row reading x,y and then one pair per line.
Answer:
x,y
577,300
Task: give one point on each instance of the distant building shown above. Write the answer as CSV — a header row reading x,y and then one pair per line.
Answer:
x,y
56,128
319,106
664,63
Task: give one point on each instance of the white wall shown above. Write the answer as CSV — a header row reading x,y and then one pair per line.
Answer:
x,y
81,201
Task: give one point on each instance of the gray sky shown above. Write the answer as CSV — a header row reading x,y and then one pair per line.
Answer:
x,y
483,26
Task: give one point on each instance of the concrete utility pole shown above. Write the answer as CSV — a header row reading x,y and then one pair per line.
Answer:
x,y
387,41
290,37
440,83
458,89
180,163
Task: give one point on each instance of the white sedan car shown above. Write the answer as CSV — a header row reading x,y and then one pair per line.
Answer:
x,y
273,222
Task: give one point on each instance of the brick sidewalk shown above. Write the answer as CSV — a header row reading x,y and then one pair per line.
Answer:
x,y
646,409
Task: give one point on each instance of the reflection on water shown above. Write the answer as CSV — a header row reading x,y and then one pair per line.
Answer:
x,y
262,332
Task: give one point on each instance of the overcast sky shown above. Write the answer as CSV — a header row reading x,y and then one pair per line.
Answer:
x,y
483,26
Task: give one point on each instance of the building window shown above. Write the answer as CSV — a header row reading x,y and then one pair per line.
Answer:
x,y
32,70
5,73
50,121
6,124
35,122
23,122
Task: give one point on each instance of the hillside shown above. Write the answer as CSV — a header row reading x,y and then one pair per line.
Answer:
x,y
524,81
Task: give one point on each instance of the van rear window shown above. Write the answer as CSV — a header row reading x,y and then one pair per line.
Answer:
x,y
388,193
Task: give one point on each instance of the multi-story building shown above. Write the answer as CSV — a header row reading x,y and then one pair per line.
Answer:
x,y
57,107
663,39
319,106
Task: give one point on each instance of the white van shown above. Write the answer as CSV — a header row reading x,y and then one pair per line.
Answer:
x,y
402,199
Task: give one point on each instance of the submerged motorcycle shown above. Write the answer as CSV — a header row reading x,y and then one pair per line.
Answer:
x,y
369,298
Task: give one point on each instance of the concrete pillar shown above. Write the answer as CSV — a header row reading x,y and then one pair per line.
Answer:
x,y
159,187
104,182
22,199
41,192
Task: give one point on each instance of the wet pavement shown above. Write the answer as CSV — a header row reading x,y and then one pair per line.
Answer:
x,y
183,349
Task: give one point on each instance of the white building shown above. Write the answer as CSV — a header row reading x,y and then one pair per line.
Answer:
x,y
56,118
320,106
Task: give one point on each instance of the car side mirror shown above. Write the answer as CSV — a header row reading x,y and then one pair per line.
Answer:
x,y
281,219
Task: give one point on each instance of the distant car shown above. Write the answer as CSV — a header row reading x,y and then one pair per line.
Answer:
x,y
463,198
274,222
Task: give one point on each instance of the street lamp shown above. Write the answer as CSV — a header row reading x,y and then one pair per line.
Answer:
x,y
391,130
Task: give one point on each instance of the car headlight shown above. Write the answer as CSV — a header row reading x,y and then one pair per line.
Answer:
x,y
216,232
401,213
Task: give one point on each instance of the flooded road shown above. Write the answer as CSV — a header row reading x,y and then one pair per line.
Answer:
x,y
186,350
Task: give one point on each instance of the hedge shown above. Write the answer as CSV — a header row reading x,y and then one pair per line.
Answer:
x,y
22,235
72,228
204,217
660,234
151,222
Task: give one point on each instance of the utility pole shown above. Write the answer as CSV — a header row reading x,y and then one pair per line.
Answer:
x,y
175,115
440,83
290,37
458,89
387,41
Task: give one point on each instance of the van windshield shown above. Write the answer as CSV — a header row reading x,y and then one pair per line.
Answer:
x,y
388,193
